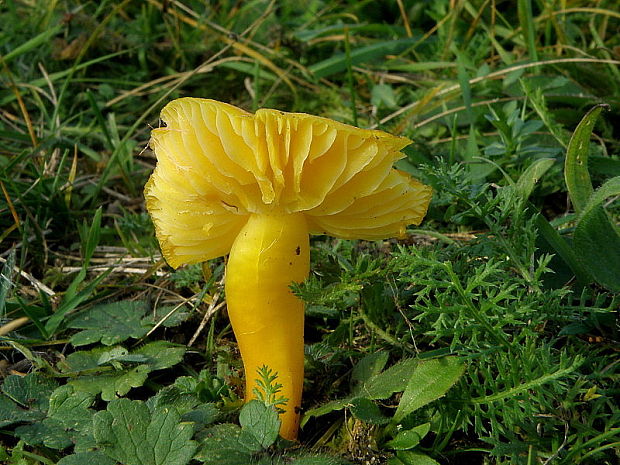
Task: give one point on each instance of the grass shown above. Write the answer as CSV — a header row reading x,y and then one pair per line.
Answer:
x,y
506,300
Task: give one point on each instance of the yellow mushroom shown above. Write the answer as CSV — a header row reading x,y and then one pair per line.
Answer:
x,y
254,186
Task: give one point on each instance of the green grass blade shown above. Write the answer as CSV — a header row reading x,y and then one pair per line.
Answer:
x,y
526,21
31,44
372,52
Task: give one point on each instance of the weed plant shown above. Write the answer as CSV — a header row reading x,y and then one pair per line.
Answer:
x,y
487,336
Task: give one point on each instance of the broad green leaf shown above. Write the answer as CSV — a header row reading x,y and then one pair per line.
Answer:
x,y
129,433
49,433
610,188
112,385
87,458
530,177
324,409
260,425
561,247
409,438
369,366
380,386
110,323
31,391
392,380
173,314
576,172
430,381
72,408
406,457
221,446
94,367
597,239
161,354
367,411
11,413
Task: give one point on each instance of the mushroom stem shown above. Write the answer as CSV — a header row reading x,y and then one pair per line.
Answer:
x,y
270,252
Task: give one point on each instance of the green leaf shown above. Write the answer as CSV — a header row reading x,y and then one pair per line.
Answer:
x,y
11,413
411,458
392,380
430,381
173,314
111,385
260,425
87,458
110,323
379,386
410,438
49,433
31,391
530,177
221,445
161,354
129,433
576,172
597,239
369,366
153,356
71,408
367,411
382,96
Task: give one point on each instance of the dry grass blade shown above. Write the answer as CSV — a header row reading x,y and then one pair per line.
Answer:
x,y
232,42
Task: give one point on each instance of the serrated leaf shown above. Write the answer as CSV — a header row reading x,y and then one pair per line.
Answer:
x,y
155,356
161,354
111,385
70,407
173,314
110,323
129,433
49,433
87,458
11,413
367,411
221,445
31,391
410,438
260,425
430,380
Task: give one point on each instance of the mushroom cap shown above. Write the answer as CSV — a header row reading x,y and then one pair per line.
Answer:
x,y
218,164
